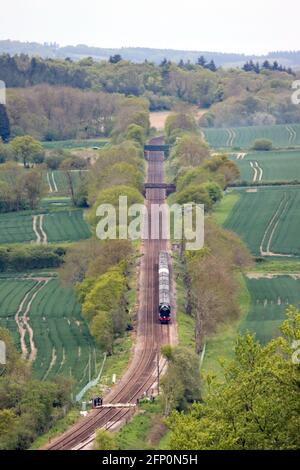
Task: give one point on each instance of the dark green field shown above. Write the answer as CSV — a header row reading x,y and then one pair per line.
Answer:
x,y
282,136
59,225
268,220
60,335
260,167
269,300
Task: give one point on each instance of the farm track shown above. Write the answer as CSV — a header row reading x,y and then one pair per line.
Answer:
x,y
23,322
51,182
231,137
54,183
41,236
292,134
141,376
272,227
258,171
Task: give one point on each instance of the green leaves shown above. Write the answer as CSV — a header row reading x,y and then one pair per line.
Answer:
x,y
256,407
104,306
181,383
27,149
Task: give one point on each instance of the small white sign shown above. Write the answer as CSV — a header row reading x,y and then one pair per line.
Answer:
x,y
2,353
114,378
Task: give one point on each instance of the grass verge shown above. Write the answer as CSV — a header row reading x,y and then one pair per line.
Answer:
x,y
59,428
223,209
145,430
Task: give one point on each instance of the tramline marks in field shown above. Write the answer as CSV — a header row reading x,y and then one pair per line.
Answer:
x,y
51,182
231,137
273,166
41,236
58,183
281,135
50,227
46,323
292,134
22,320
265,247
268,220
257,171
240,156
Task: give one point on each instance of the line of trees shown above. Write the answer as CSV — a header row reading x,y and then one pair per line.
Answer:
x,y
251,66
24,258
211,281
199,177
100,269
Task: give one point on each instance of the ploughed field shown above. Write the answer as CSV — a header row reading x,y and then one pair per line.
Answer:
x,y
268,220
47,327
262,167
270,297
282,136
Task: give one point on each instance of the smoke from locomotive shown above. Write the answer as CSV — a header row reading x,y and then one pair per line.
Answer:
x,y
164,287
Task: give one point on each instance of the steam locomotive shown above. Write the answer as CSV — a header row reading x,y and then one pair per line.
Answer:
x,y
164,287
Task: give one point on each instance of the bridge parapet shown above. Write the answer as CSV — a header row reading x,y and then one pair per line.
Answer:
x,y
169,188
156,148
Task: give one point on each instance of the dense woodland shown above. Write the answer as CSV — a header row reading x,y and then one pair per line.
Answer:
x,y
83,97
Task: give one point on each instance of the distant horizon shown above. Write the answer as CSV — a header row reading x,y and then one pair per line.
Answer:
x,y
216,51
255,28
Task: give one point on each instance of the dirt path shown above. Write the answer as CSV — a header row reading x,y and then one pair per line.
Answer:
x,y
259,168
48,180
231,137
258,171
45,238
292,134
240,156
34,226
39,230
280,211
25,319
52,363
23,322
54,182
22,330
255,171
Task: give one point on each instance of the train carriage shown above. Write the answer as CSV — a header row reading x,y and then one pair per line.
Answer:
x,y
164,287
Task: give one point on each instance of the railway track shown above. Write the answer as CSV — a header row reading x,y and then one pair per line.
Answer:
x,y
141,376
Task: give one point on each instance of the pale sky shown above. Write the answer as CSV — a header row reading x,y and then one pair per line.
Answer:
x,y
256,26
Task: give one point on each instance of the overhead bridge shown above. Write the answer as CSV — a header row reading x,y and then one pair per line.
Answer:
x,y
169,188
156,148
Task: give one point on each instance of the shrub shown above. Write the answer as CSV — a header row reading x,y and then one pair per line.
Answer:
x,y
263,145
